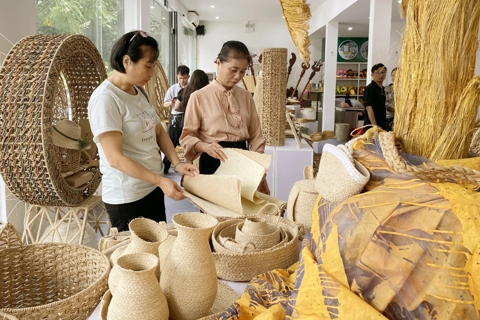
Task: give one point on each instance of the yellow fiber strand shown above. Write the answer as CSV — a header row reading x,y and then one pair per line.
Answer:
x,y
435,93
297,15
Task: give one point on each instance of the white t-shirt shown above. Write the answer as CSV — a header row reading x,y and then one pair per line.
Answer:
x,y
172,92
112,109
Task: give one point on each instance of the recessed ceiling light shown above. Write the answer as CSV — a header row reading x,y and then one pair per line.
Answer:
x,y
212,6
152,7
350,28
163,18
217,18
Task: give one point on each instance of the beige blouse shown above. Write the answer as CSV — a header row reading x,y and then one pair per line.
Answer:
x,y
216,114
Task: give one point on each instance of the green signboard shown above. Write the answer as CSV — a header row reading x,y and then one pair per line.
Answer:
x,y
350,50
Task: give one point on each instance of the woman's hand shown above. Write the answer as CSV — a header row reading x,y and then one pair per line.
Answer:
x,y
263,186
214,150
187,169
170,188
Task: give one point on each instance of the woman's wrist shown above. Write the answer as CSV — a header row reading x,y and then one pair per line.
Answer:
x,y
175,166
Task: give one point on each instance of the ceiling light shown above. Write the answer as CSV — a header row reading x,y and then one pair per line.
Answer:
x,y
217,18
350,28
212,6
152,7
163,18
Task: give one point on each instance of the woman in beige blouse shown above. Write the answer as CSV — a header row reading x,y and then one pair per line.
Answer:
x,y
223,115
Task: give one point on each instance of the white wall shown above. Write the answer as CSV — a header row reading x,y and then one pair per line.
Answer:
x,y
327,12
267,34
17,21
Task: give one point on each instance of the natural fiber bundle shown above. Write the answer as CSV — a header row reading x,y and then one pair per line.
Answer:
x,y
297,14
272,113
41,77
4,316
436,96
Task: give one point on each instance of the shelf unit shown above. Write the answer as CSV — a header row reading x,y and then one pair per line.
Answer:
x,y
356,82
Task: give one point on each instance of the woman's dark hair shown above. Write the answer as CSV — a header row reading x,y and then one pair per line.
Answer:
x,y
234,50
198,80
378,66
132,48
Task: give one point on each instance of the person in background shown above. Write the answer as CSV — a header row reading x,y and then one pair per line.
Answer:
x,y
223,115
390,101
130,136
374,98
175,121
198,80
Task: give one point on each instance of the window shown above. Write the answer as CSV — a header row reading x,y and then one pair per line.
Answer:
x,y
160,30
99,20
189,42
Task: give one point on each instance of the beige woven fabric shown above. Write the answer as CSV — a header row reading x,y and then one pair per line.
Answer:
x,y
40,280
4,316
112,239
232,189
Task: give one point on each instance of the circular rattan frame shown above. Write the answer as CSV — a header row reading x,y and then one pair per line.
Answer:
x,y
40,77
157,88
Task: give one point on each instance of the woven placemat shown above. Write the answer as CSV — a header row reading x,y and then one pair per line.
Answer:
x,y
45,78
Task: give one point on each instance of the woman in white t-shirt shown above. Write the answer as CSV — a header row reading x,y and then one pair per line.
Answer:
x,y
129,136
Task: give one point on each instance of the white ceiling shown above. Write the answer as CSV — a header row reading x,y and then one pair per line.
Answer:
x,y
240,10
267,10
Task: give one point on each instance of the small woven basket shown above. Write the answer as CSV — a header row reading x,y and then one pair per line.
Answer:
x,y
41,280
68,159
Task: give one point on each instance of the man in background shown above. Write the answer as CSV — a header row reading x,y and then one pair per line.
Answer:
x,y
374,98
175,121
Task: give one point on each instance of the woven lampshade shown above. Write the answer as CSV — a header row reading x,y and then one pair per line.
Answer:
x,y
44,79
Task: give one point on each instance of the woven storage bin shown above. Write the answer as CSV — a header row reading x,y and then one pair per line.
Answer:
x,y
41,77
44,280
244,266
273,88
301,201
342,132
68,159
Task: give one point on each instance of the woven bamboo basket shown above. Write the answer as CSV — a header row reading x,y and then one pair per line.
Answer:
x,y
157,88
244,266
272,114
41,280
44,79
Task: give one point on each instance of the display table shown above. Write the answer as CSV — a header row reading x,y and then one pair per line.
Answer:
x,y
287,166
239,287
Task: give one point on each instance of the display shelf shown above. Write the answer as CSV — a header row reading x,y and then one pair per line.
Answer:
x,y
357,82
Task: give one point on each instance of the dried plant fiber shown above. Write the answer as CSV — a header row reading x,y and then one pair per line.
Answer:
x,y
297,15
436,94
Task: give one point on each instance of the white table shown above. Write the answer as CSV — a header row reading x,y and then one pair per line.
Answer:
x,y
287,166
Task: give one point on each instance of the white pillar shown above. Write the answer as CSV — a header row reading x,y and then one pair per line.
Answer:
x,y
379,34
330,67
137,15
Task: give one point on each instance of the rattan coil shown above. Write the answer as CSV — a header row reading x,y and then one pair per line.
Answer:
x,y
41,280
44,79
157,88
273,88
244,266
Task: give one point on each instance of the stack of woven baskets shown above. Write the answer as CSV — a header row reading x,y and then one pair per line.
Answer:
x,y
245,248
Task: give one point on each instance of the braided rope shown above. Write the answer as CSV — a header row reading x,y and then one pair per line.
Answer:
x,y
458,174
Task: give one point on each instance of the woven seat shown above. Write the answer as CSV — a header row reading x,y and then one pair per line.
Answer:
x,y
44,79
156,88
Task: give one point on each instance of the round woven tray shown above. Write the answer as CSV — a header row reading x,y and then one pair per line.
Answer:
x,y
244,266
41,77
41,280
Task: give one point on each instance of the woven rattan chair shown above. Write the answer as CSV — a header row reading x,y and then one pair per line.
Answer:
x,y
44,79
157,89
